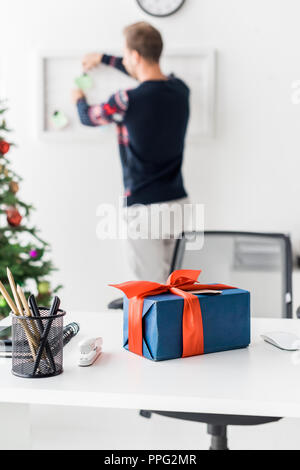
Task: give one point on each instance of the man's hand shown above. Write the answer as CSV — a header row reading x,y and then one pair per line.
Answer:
x,y
90,61
77,95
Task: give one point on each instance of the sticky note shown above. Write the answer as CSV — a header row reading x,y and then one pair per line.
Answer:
x,y
84,82
59,119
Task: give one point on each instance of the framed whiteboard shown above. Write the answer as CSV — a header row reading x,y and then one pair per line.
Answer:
x,y
57,72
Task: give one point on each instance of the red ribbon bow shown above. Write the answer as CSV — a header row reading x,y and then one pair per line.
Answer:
x,y
178,283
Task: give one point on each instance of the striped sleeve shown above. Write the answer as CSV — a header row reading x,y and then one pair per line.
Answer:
x,y
113,111
113,61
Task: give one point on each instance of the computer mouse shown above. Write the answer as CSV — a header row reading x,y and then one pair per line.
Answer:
x,y
282,340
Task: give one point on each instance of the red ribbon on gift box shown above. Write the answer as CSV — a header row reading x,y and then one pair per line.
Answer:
x,y
178,283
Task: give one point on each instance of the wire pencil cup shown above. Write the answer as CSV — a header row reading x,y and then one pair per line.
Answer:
x,y
37,344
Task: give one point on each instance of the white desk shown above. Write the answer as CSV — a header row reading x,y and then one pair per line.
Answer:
x,y
260,380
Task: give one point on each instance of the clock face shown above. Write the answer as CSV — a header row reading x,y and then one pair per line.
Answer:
x,y
160,7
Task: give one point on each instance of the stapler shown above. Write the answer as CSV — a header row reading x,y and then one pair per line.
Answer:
x,y
89,351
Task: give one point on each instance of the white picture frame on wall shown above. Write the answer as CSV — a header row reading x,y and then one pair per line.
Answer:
x,y
56,72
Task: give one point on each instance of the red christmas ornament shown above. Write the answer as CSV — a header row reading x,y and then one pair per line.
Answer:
x,y
4,147
14,217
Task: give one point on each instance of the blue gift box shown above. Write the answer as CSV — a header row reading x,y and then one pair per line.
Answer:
x,y
225,317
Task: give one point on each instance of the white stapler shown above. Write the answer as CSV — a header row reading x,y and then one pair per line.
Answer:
x,y
89,349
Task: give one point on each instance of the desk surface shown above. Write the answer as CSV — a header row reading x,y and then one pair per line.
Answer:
x,y
260,380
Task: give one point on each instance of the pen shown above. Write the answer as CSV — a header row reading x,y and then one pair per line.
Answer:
x,y
36,313
53,312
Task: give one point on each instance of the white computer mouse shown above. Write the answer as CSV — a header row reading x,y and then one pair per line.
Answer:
x,y
282,340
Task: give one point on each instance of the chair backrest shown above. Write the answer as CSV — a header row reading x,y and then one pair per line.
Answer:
x,y
258,262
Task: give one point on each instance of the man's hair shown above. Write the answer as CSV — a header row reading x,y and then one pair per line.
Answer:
x,y
145,39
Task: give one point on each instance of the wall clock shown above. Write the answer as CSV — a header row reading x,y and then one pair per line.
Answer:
x,y
160,7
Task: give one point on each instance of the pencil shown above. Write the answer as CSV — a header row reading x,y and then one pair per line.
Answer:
x,y
14,291
8,299
27,311
31,341
23,301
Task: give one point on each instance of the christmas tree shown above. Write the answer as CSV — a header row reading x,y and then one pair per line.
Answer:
x,y
21,249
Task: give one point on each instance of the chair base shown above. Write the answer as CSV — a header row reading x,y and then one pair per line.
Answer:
x,y
218,437
216,424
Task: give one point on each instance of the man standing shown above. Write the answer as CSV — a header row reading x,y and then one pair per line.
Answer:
x,y
151,121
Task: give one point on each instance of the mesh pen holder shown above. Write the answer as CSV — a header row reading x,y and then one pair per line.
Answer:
x,y
37,344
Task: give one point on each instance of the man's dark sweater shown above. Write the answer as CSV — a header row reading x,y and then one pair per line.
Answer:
x,y
151,122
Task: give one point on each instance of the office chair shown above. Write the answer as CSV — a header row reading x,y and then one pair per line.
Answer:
x,y
116,304
258,262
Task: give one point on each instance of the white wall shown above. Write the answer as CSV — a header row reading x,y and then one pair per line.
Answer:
x,y
247,176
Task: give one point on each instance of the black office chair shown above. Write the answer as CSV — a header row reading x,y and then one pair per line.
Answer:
x,y
255,262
